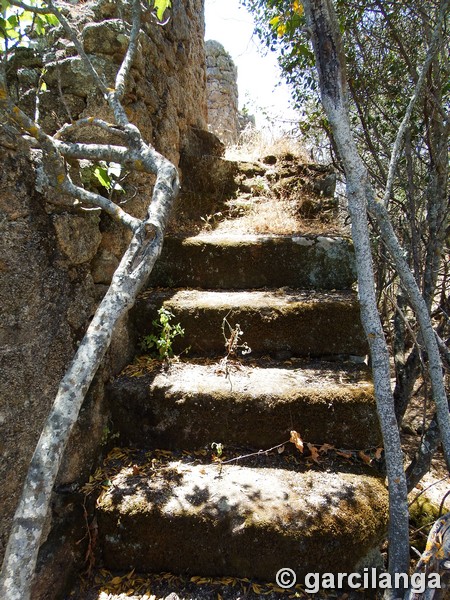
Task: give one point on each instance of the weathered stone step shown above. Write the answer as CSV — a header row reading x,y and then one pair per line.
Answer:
x,y
280,323
254,261
193,404
234,520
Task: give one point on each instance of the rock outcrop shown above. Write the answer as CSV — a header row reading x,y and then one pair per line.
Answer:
x,y
221,79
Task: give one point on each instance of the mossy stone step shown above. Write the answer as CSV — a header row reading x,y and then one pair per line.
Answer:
x,y
281,323
193,404
239,521
254,261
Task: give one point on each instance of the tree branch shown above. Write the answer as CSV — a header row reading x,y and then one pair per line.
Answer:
x,y
131,50
418,87
435,559
423,317
114,211
90,122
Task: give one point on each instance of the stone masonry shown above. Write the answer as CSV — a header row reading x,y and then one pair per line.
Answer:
x,y
221,78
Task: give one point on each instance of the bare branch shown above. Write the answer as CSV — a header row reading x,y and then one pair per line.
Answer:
x,y
423,317
34,9
73,36
330,62
134,269
395,155
435,559
131,50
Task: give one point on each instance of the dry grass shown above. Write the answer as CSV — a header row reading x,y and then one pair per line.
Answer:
x,y
268,215
254,145
269,197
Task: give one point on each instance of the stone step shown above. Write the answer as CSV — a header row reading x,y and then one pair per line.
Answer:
x,y
280,323
239,521
193,404
216,261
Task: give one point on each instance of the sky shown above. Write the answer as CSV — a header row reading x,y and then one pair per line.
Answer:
x,y
258,73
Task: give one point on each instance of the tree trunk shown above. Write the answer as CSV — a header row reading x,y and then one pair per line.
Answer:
x,y
330,63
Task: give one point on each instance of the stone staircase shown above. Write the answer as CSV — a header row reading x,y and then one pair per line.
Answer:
x,y
191,489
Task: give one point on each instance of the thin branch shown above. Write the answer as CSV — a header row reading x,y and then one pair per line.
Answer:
x,y
34,9
395,155
74,38
434,559
423,317
135,266
131,50
445,352
114,211
330,63
55,167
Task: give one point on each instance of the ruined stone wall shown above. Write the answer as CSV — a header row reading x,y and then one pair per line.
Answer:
x,y
222,93
55,263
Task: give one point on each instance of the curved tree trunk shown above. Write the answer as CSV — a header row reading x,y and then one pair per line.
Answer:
x,y
132,273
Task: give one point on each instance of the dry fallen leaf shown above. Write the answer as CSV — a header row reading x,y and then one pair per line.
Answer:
x,y
378,453
297,440
314,453
344,453
364,457
325,447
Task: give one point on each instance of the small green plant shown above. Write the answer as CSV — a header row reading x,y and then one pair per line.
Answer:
x,y
217,448
108,436
161,342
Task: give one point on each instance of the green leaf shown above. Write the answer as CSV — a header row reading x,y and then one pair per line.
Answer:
x,y
39,22
161,6
52,20
102,176
13,21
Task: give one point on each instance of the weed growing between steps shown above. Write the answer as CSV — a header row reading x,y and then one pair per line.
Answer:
x,y
166,332
151,462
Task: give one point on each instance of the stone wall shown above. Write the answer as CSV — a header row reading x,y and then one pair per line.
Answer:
x,y
222,93
55,263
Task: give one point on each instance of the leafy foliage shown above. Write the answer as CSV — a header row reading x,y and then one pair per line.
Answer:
x,y
18,26
385,44
162,341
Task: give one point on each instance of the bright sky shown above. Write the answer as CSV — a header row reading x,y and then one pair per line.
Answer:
x,y
258,73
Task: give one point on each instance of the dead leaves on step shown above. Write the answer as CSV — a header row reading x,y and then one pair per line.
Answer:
x,y
149,464
156,586
316,451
